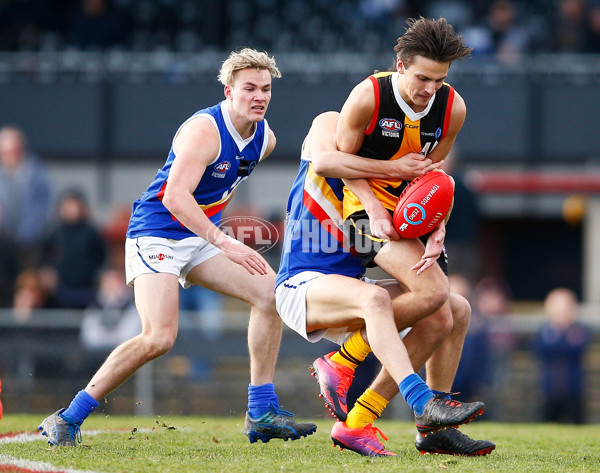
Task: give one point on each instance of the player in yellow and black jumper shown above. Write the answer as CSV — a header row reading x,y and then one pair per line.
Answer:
x,y
395,130
409,113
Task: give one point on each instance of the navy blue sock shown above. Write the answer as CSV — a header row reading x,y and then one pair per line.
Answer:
x,y
416,392
260,398
80,408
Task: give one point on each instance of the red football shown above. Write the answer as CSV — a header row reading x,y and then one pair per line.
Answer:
x,y
423,204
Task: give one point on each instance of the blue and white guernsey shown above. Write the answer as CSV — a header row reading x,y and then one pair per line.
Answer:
x,y
314,236
234,163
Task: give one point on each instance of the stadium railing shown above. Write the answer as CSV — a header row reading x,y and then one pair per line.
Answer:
x,y
43,363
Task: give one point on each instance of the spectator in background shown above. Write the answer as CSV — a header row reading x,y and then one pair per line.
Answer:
x,y
501,35
75,252
492,299
31,292
490,343
509,39
94,25
9,268
593,43
24,22
472,377
380,13
114,232
560,346
25,195
570,31
111,318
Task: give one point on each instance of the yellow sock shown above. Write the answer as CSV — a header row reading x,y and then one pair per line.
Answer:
x,y
353,352
367,409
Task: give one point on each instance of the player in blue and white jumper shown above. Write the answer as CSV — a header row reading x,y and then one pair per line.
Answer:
x,y
173,238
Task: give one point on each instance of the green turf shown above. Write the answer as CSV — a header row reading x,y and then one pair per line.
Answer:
x,y
198,444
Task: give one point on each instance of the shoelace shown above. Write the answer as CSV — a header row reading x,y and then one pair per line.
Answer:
x,y
374,431
343,385
74,432
459,436
448,401
278,411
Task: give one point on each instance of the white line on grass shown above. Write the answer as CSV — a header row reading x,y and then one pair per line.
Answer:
x,y
23,437
29,466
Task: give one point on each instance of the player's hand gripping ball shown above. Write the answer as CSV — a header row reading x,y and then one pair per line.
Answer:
x,y
423,204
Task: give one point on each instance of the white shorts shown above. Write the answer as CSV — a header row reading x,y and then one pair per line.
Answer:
x,y
290,297
147,254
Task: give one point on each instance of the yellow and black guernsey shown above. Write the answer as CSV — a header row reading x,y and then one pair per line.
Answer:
x,y
396,130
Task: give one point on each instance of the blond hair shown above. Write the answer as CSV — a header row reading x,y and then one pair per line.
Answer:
x,y
245,59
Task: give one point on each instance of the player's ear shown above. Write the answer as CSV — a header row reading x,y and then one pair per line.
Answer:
x,y
227,91
399,66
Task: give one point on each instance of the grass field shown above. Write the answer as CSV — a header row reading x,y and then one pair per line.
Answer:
x,y
199,444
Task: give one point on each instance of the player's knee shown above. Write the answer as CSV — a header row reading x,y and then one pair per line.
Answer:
x,y
461,311
156,345
263,294
444,322
377,300
433,295
264,302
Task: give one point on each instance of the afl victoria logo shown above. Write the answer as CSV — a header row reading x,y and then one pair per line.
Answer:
x,y
414,214
223,167
390,124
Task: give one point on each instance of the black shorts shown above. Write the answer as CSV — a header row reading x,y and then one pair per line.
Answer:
x,y
367,246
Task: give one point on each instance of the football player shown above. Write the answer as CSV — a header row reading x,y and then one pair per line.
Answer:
x,y
321,292
173,239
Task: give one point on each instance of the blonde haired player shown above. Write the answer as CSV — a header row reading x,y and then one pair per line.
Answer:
x,y
173,238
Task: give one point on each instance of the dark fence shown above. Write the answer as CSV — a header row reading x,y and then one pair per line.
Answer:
x,y
44,362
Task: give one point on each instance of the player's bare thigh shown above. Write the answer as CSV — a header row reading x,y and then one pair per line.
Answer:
x,y
157,301
392,286
337,301
222,275
398,257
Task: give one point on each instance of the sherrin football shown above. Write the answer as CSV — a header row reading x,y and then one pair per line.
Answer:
x,y
423,204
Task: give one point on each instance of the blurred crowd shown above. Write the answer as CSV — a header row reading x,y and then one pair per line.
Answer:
x,y
54,253
559,347
503,28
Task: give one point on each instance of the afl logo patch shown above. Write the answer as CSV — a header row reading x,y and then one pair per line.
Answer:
x,y
223,167
390,124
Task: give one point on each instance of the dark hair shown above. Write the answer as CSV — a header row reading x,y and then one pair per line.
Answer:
x,y
432,39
